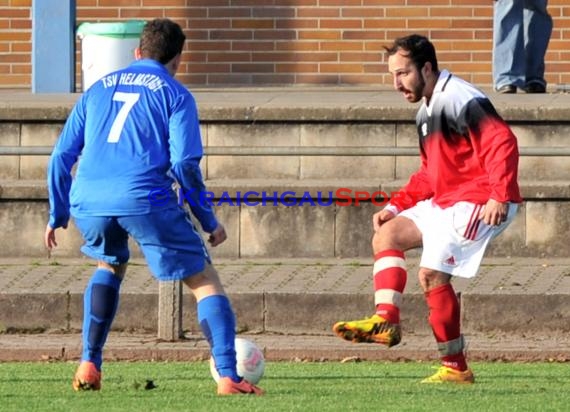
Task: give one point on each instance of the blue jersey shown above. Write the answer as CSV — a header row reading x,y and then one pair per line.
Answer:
x,y
135,132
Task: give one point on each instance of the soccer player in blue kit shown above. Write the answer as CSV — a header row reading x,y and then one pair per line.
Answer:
x,y
137,132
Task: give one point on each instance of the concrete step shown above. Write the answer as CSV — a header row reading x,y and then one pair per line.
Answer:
x,y
293,296
299,118
310,230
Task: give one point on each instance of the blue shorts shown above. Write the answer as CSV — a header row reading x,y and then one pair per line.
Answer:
x,y
168,239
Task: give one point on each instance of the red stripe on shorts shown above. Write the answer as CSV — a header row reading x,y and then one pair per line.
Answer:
x,y
473,225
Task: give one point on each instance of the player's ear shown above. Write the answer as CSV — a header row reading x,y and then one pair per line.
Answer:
x,y
426,69
138,54
176,62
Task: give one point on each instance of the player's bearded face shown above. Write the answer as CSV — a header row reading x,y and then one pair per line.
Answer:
x,y
408,80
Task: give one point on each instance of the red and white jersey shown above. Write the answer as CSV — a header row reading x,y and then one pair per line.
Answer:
x,y
468,152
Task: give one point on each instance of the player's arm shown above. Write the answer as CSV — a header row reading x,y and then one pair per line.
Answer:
x,y
501,159
501,162
63,157
417,189
497,149
185,155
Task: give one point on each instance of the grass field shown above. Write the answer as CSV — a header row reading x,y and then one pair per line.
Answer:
x,y
329,386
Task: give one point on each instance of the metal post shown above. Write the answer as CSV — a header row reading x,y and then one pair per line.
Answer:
x,y
53,46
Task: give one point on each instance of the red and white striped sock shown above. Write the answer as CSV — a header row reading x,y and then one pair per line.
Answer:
x,y
390,278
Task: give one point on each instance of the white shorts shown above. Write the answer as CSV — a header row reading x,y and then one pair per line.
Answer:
x,y
454,239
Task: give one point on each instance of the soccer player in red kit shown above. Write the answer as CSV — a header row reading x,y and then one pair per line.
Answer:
x,y
463,195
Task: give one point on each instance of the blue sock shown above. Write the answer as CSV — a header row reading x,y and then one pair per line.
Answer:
x,y
218,324
100,303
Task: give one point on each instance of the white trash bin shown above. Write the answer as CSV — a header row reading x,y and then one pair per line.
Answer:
x,y
106,47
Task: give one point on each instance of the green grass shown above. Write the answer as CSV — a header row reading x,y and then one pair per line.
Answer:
x,y
329,386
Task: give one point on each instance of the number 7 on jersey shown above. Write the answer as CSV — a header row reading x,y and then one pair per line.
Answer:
x,y
129,99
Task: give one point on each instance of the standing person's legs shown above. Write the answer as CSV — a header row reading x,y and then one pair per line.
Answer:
x,y
538,29
216,318
218,323
106,242
438,235
508,44
455,240
445,321
178,253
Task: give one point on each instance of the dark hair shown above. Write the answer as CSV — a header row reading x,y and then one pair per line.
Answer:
x,y
418,48
161,40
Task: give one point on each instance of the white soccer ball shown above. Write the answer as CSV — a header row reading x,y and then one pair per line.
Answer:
x,y
250,361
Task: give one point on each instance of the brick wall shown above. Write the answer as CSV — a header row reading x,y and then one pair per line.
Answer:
x,y
297,42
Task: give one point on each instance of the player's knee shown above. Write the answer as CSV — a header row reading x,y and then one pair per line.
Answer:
x,y
205,283
383,239
375,242
430,278
118,270
398,233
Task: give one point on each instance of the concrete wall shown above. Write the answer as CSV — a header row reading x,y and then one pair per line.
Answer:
x,y
540,229
258,170
264,312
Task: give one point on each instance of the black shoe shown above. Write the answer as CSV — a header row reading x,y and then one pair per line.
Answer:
x,y
535,87
507,89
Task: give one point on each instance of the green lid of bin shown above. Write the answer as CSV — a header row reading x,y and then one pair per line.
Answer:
x,y
120,30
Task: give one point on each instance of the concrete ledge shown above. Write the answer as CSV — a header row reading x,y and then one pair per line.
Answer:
x,y
34,312
544,314
23,189
294,313
290,104
515,309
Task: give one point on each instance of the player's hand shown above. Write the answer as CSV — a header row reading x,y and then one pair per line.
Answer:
x,y
49,237
494,213
218,236
380,218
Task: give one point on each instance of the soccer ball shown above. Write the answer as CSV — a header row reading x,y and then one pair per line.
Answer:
x,y
250,361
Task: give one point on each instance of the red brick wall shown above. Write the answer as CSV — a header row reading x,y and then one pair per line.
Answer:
x,y
297,42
